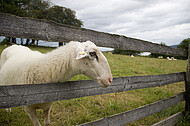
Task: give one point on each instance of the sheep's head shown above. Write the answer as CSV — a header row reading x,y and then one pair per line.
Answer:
x,y
93,63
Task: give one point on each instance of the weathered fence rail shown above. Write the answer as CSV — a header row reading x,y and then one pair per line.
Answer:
x,y
170,121
23,27
139,113
20,95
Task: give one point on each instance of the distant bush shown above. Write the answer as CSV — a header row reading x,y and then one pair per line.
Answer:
x,y
184,44
125,52
155,55
5,42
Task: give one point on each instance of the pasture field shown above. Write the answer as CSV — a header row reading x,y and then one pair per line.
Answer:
x,y
81,110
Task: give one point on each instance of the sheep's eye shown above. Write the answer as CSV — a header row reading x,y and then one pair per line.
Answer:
x,y
94,55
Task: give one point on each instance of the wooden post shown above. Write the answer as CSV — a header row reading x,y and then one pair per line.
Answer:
x,y
187,86
37,42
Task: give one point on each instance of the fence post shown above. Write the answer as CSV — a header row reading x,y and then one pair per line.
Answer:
x,y
187,85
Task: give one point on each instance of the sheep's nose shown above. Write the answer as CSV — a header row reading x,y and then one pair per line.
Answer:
x,y
110,80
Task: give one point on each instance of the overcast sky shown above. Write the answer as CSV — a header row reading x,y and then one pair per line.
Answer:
x,y
157,21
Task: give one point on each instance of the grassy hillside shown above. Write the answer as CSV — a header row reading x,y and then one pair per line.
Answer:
x,y
81,110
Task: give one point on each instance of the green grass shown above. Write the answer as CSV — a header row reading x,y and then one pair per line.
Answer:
x,y
81,110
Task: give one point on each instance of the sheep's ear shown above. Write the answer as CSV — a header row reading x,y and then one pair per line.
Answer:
x,y
81,54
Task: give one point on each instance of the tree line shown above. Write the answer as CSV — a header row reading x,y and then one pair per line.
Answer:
x,y
39,9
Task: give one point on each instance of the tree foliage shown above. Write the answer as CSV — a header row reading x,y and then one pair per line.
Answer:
x,y
125,52
15,7
184,44
63,15
40,9
37,8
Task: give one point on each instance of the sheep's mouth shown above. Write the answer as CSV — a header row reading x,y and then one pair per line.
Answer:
x,y
105,85
102,83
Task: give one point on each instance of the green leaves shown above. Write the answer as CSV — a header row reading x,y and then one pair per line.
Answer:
x,y
63,15
184,44
40,9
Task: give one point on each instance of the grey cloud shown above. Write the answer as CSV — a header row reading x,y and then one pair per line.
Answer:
x,y
157,21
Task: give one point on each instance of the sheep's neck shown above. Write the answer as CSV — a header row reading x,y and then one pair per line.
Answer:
x,y
61,63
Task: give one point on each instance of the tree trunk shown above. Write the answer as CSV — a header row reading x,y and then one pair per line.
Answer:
x,y
8,39
21,41
33,42
27,41
60,43
13,40
37,42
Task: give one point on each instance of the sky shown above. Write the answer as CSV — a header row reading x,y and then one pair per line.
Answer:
x,y
156,21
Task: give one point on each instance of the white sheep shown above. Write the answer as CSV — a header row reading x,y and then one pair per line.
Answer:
x,y
173,58
169,58
110,53
160,57
20,65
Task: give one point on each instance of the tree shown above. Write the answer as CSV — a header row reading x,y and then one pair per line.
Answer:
x,y
63,15
162,43
15,7
36,8
184,44
40,9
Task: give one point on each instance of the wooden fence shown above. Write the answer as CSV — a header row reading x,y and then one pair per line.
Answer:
x,y
20,95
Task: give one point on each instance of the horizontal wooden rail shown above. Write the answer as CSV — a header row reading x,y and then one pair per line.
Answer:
x,y
23,27
19,95
136,114
170,121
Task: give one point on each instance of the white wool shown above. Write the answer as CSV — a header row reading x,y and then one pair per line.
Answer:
x,y
33,67
15,49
